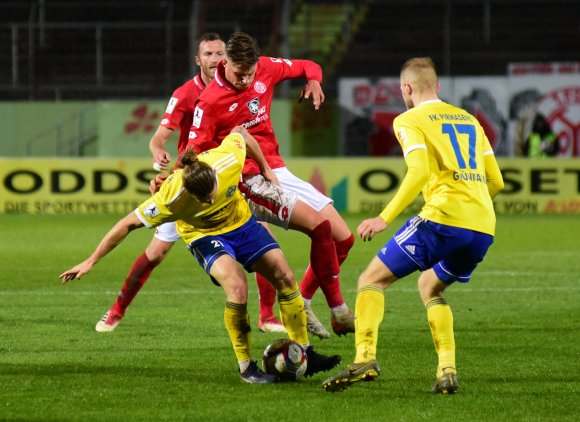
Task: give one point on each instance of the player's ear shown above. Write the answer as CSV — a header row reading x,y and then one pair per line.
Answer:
x,y
197,61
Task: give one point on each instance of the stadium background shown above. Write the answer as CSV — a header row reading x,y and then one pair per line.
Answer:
x,y
83,85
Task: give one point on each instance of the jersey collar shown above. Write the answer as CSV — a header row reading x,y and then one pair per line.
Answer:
x,y
198,81
220,77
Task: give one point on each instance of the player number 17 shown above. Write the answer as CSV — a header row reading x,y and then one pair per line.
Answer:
x,y
452,130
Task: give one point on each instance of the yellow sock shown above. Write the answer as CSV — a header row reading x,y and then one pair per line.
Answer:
x,y
237,323
440,320
293,315
369,312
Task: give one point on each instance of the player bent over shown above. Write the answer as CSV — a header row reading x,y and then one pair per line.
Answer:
x,y
217,224
451,160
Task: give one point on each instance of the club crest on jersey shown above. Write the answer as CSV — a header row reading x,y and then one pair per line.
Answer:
x,y
197,115
260,87
254,106
231,191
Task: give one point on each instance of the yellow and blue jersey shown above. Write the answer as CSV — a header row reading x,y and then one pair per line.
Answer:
x,y
195,219
456,192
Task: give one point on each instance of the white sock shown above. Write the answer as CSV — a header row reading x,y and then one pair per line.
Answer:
x,y
339,309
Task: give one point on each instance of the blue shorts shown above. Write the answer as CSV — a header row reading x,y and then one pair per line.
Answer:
x,y
246,245
420,244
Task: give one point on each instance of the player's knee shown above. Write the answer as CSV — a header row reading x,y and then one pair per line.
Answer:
x,y
429,285
322,231
157,252
283,278
236,290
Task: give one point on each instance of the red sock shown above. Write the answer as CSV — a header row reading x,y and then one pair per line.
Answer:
x,y
343,247
323,252
136,278
324,263
310,283
267,296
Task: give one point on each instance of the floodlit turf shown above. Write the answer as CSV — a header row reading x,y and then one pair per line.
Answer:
x,y
517,331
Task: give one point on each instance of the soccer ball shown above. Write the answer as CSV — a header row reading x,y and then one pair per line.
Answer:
x,y
286,359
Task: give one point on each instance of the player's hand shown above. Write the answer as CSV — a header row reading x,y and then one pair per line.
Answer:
x,y
156,182
370,227
271,176
77,272
162,158
314,90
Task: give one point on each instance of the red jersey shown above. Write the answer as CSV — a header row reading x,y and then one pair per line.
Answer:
x,y
221,107
179,111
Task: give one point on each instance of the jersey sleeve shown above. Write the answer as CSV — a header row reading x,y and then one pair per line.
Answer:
x,y
153,212
236,144
417,175
281,69
175,110
417,160
203,128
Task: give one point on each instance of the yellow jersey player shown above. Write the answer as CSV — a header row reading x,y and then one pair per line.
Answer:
x,y
217,225
450,160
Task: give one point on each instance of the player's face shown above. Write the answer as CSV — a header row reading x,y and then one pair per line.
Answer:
x,y
240,76
209,55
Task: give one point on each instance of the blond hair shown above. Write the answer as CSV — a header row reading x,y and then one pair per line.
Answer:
x,y
421,73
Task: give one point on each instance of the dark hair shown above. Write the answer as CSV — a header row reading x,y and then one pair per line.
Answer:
x,y
208,36
198,176
242,49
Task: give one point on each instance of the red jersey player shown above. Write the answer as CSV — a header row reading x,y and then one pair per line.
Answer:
x,y
241,94
179,115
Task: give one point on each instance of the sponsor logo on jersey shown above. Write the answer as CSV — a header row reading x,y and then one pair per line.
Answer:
x,y
288,62
192,134
151,211
171,105
411,249
253,105
197,115
164,122
260,87
233,106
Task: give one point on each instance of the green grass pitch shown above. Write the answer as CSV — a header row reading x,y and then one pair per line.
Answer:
x,y
517,331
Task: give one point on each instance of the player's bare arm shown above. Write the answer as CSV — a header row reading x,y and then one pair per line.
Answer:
x,y
115,236
255,152
371,227
157,147
314,90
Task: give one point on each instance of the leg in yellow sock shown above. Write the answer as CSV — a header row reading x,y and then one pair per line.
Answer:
x,y
292,313
440,320
369,312
237,323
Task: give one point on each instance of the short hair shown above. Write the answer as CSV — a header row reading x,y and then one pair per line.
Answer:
x,y
198,176
420,71
208,36
242,49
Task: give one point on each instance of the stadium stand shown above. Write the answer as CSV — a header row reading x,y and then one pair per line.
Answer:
x,y
59,49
